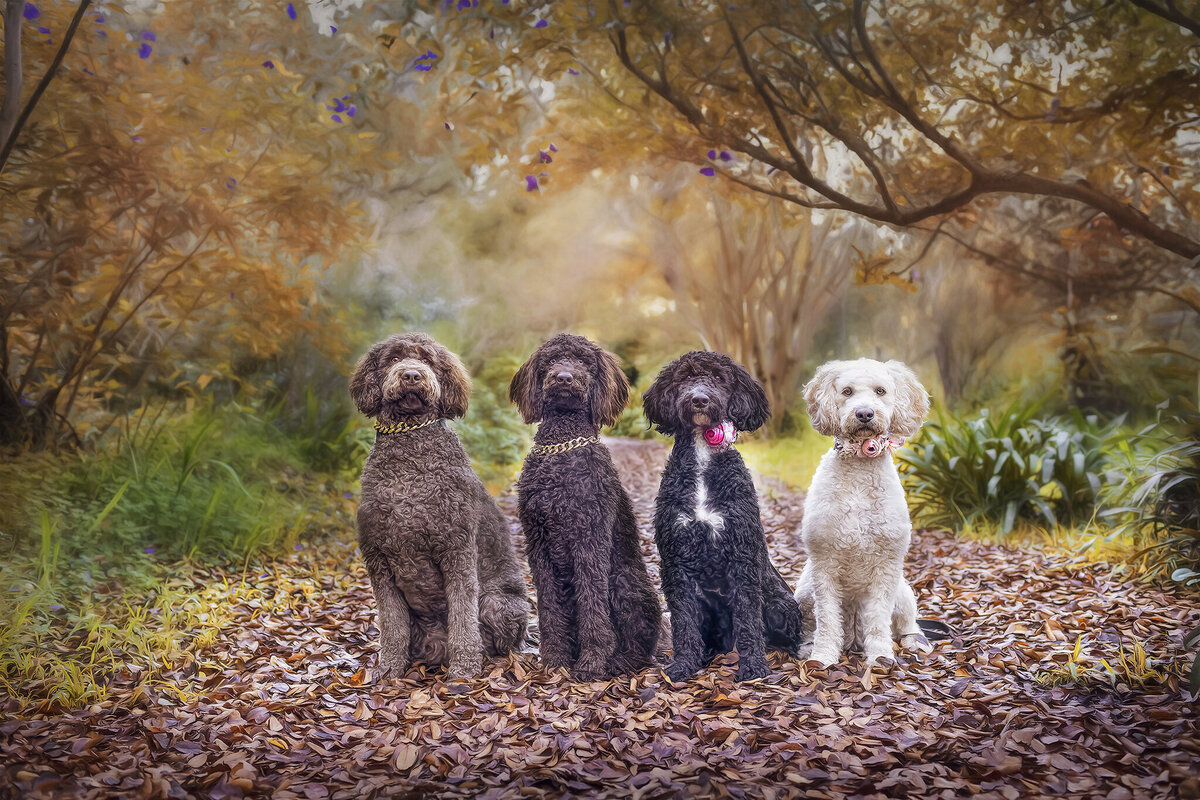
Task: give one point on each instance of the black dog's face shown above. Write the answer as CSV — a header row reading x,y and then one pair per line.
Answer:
x,y
410,376
569,374
703,389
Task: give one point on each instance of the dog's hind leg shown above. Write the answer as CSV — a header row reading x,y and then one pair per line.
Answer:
x,y
904,620
394,617
502,622
782,621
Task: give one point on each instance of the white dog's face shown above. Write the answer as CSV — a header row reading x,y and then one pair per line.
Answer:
x,y
865,398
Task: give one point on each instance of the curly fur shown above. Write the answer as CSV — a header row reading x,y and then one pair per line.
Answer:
x,y
717,576
443,569
856,528
597,609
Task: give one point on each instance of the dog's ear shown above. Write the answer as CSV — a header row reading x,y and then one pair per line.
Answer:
x,y
610,390
821,400
748,404
657,404
525,390
912,401
455,384
365,387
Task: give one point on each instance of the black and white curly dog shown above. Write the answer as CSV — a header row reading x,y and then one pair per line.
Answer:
x,y
718,579
446,578
598,612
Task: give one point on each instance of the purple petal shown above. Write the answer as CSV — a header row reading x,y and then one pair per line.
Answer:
x,y
338,105
572,71
231,183
148,550
531,183
100,18
333,28
291,11
541,23
55,608
725,156
145,50
544,157
708,171
351,110
712,154
43,30
336,118
148,36
269,64
552,148
137,138
25,401
447,124
31,11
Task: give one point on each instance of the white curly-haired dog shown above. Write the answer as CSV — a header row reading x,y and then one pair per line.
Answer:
x,y
856,527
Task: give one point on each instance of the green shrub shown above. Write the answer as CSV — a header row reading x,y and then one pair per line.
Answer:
x,y
1005,467
632,422
493,433
1156,499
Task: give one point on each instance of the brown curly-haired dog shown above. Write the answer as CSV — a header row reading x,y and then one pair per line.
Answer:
x,y
445,575
598,612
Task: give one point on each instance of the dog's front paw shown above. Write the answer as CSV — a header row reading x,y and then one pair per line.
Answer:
x,y
883,659
464,668
752,670
678,672
916,641
826,658
583,671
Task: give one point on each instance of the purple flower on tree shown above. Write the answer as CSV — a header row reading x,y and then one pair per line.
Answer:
x,y
531,183
572,71
544,157
336,118
424,62
333,28
145,50
231,183
541,23
708,172
712,154
31,11
269,64
725,156
351,110
43,29
291,11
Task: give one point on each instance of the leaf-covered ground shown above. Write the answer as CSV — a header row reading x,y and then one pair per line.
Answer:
x,y
277,705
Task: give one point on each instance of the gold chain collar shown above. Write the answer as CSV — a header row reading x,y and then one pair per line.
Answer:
x,y
402,427
562,447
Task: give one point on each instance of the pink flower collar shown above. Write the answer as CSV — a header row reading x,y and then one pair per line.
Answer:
x,y
720,435
868,448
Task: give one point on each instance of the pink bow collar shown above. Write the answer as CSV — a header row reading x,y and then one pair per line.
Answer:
x,y
868,448
720,435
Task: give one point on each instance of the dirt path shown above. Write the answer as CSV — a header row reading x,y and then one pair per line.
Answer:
x,y
277,707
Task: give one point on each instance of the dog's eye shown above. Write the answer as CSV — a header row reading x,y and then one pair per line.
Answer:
x,y
847,391
880,390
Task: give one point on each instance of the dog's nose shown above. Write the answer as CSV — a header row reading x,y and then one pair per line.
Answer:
x,y
699,400
410,376
864,414
564,378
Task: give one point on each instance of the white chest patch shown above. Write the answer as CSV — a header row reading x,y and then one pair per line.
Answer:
x,y
703,513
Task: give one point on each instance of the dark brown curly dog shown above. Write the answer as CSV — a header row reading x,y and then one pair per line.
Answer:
x,y
445,575
598,612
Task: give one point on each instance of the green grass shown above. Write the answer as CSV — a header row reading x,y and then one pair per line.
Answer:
x,y
98,566
792,460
